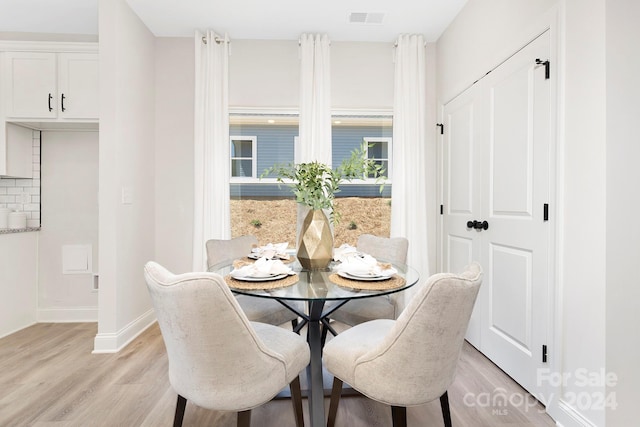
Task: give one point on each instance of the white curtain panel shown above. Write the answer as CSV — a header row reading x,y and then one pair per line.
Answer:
x,y
409,203
314,142
211,144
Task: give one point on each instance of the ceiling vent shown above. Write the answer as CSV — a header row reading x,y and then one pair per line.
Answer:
x,y
366,17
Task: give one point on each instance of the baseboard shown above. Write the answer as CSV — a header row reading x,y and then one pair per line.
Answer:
x,y
116,341
13,331
567,416
68,315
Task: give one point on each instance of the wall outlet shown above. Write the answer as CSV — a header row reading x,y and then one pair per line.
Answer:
x,y
96,283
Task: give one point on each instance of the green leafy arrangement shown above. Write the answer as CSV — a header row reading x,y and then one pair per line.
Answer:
x,y
315,184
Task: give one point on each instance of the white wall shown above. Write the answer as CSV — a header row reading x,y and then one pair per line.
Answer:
x,y
483,35
126,175
266,73
175,79
583,169
18,281
623,203
69,200
362,75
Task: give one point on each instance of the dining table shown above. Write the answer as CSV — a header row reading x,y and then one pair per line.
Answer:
x,y
315,288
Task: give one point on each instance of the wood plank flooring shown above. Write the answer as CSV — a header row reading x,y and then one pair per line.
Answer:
x,y
48,377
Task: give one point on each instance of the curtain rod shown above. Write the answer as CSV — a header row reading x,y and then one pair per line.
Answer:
x,y
300,42
217,39
396,44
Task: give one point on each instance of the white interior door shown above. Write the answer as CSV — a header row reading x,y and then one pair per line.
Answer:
x,y
507,185
461,187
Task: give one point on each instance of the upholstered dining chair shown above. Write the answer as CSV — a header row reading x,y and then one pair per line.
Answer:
x,y
218,359
412,360
224,251
360,310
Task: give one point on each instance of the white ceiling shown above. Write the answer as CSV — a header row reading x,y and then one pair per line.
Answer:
x,y
241,19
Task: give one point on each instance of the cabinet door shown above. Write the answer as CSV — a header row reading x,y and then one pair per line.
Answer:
x,y
78,86
19,152
31,85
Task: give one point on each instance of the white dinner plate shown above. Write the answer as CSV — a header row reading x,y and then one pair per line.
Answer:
x,y
363,278
262,279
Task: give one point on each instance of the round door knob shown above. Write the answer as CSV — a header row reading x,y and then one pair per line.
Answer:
x,y
471,224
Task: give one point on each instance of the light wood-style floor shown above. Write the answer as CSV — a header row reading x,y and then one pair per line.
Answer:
x,y
48,377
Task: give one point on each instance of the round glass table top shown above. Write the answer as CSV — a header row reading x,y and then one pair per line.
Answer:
x,y
316,285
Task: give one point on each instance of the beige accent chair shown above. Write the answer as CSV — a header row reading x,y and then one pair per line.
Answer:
x,y
412,360
221,252
218,359
361,310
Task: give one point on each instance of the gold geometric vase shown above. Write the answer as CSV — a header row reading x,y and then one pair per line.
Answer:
x,y
315,246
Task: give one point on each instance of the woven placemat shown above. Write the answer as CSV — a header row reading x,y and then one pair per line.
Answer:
x,y
284,261
267,284
393,282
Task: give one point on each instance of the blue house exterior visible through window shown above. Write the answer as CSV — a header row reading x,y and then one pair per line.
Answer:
x,y
267,209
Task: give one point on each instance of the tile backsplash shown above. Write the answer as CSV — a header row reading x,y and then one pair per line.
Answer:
x,y
24,194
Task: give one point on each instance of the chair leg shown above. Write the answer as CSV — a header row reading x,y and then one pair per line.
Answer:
x,y
446,413
181,404
296,401
244,418
399,416
336,391
323,337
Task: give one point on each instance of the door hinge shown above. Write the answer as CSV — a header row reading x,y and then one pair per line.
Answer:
x,y
546,212
441,209
547,67
544,353
441,126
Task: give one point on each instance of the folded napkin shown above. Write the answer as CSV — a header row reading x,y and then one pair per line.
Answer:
x,y
263,267
365,265
344,251
272,250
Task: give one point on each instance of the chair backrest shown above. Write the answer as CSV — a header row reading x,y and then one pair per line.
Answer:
x,y
392,249
422,349
225,250
215,356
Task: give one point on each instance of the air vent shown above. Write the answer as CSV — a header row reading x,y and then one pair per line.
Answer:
x,y
366,17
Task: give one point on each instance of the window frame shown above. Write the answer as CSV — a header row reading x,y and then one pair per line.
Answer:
x,y
389,141
254,158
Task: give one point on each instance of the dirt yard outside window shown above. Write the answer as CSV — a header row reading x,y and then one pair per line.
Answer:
x,y
274,220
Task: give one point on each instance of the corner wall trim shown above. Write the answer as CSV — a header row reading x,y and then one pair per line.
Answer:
x,y
113,342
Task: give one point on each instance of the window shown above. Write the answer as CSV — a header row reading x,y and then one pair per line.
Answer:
x,y
266,209
243,157
261,206
379,149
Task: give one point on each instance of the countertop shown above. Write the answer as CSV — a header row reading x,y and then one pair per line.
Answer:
x,y
20,230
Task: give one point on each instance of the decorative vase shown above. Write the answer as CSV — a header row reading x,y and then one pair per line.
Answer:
x,y
315,245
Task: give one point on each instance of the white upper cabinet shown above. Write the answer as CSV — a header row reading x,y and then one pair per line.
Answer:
x,y
45,85
78,85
